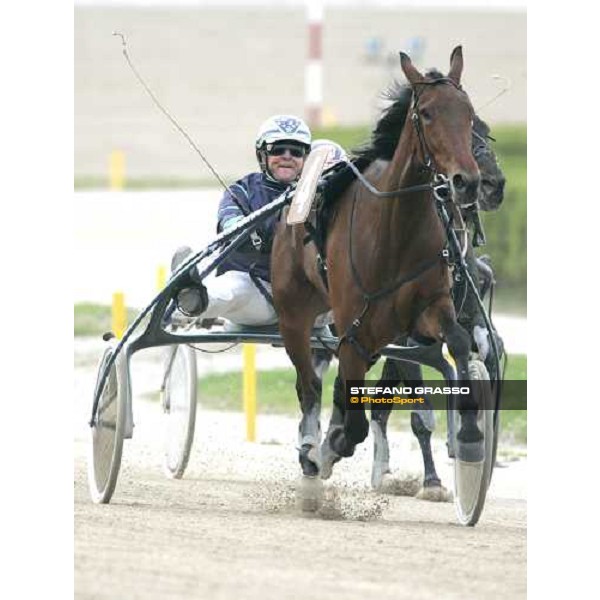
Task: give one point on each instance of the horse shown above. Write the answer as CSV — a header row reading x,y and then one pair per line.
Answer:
x,y
491,194
386,272
422,421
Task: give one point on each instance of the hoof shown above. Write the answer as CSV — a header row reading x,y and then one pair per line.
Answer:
x,y
328,456
339,443
378,472
332,504
405,485
309,494
437,493
328,459
381,456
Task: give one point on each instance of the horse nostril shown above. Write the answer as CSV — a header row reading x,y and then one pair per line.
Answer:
x,y
459,182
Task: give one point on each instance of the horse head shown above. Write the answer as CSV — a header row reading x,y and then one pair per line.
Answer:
x,y
442,115
491,191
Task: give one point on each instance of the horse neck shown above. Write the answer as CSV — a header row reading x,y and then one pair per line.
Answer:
x,y
412,212
405,169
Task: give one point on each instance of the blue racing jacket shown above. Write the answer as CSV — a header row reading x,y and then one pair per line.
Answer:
x,y
252,192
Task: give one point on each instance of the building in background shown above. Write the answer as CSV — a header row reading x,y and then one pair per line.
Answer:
x,y
221,69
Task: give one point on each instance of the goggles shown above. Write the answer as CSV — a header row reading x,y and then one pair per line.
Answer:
x,y
280,149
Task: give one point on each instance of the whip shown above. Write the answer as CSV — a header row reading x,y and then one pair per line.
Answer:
x,y
175,123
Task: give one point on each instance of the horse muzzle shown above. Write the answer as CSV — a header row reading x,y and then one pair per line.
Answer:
x,y
465,188
491,193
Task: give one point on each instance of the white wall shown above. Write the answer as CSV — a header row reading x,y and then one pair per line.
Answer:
x,y
221,71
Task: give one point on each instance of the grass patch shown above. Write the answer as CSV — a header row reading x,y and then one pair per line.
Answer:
x,y
92,182
95,319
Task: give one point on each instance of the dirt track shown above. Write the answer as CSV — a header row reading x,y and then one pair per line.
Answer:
x,y
230,528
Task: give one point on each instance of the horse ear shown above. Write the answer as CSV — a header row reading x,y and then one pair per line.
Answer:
x,y
409,69
456,65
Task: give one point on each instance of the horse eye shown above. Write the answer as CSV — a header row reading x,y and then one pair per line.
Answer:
x,y
425,115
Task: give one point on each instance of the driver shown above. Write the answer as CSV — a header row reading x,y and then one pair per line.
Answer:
x,y
240,289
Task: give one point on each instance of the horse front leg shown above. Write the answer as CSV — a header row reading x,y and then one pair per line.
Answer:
x,y
343,440
439,321
328,456
469,437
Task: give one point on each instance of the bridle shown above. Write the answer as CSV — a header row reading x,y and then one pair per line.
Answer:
x,y
428,162
441,192
428,165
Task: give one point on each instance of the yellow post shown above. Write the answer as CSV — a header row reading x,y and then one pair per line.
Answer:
x,y
161,277
119,314
249,353
116,170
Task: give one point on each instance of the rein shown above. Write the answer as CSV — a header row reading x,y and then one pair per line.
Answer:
x,y
393,194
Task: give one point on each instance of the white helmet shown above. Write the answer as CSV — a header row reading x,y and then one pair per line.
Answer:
x,y
280,128
336,153
283,127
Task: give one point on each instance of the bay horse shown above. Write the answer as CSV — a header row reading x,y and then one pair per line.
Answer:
x,y
382,145
387,275
491,195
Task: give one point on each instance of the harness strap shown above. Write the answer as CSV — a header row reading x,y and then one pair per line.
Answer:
x,y
313,237
259,285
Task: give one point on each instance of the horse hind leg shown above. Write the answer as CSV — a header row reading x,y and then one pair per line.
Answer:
x,y
380,415
432,490
309,430
321,359
296,335
422,424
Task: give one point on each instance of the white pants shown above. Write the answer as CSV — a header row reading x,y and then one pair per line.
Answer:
x,y
234,296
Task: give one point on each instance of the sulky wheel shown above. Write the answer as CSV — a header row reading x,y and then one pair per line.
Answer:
x,y
473,466
497,427
108,427
179,408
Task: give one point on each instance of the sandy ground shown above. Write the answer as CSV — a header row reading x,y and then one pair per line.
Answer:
x,y
231,529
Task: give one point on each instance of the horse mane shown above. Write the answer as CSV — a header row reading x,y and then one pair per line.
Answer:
x,y
480,127
387,131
